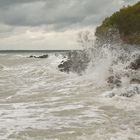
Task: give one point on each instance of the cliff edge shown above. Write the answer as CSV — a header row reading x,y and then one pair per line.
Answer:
x,y
125,23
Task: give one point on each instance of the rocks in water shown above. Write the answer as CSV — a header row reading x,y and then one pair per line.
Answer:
x,y
135,65
42,56
125,92
77,61
130,91
114,81
65,66
135,81
31,56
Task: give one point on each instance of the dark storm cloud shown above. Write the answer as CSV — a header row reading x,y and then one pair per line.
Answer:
x,y
56,13
6,3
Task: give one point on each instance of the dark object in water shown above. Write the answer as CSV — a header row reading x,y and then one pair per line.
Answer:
x,y
131,92
127,92
128,95
135,81
114,81
42,56
77,62
136,64
65,66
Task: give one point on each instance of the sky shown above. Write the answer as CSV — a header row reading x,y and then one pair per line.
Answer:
x,y
51,24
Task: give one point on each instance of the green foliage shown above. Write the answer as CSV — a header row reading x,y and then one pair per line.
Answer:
x,y
127,21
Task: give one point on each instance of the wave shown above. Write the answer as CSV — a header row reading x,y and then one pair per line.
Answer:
x,y
98,99
110,65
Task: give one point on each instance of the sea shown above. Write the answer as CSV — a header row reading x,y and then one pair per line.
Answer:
x,y
39,102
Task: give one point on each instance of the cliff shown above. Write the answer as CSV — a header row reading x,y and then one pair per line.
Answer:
x,y
125,23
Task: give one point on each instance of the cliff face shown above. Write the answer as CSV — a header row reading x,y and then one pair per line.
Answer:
x,y
125,22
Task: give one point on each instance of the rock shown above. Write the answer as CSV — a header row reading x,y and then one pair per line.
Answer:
x,y
31,56
42,56
127,94
136,64
114,81
77,62
135,81
132,91
65,66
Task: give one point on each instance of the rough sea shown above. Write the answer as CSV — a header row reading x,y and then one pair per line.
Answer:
x,y
38,102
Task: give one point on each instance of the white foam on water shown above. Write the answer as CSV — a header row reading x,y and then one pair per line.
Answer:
x,y
38,102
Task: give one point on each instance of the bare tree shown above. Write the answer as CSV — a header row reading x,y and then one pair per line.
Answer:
x,y
86,39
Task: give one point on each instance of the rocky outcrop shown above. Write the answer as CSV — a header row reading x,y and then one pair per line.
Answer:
x,y
124,92
125,22
130,92
135,81
42,56
65,66
135,65
77,62
114,81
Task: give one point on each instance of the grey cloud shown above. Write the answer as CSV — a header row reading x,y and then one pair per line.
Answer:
x,y
7,3
58,14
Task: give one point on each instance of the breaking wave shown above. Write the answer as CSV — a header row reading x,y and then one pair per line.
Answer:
x,y
38,101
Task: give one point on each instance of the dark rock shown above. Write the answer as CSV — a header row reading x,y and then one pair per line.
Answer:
x,y
136,64
31,56
132,91
77,61
135,81
114,81
65,66
130,94
42,56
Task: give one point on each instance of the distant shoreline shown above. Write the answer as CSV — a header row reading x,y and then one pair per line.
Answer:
x,y
31,51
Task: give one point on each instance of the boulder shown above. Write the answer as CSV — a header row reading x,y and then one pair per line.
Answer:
x,y
114,81
132,91
65,66
42,56
74,61
135,65
124,92
135,81
32,56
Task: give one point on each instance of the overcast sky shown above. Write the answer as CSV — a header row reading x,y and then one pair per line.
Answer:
x,y
51,24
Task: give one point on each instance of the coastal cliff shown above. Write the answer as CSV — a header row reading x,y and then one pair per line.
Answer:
x,y
124,24
122,28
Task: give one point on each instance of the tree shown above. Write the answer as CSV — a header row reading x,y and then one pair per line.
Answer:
x,y
86,39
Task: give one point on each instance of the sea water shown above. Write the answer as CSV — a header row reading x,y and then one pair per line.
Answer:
x,y
38,102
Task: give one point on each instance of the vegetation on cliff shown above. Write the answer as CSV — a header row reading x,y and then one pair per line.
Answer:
x,y
126,22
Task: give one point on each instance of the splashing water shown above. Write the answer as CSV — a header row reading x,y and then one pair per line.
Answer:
x,y
38,102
